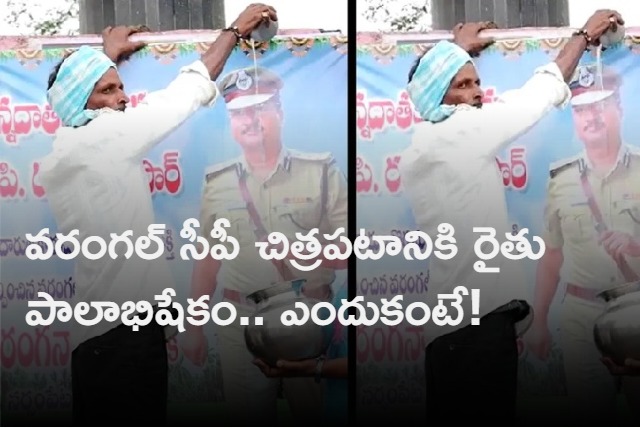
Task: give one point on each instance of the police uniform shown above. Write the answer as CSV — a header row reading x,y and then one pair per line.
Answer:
x,y
304,191
588,269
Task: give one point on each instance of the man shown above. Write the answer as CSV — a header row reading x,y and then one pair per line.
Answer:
x,y
450,176
95,183
601,253
291,192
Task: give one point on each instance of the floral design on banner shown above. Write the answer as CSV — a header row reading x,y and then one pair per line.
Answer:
x,y
384,53
299,46
339,43
165,53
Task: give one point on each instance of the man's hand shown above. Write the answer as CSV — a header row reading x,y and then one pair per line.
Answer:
x,y
254,15
116,43
631,367
467,36
538,340
619,244
600,22
287,368
194,347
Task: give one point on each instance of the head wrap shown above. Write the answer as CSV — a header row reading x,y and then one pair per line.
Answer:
x,y
432,79
74,83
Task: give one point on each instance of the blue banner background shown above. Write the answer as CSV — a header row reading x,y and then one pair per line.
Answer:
x,y
36,372
390,369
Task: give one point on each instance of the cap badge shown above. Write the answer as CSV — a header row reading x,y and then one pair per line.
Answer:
x,y
244,81
586,78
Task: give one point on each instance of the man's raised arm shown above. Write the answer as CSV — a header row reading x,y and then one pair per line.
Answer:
x,y
517,111
163,111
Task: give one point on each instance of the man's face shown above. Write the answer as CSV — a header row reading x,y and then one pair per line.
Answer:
x,y
257,125
108,92
595,123
465,88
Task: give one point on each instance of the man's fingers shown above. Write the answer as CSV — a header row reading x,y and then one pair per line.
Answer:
x,y
273,14
488,42
261,364
486,25
139,45
264,367
634,364
288,365
607,362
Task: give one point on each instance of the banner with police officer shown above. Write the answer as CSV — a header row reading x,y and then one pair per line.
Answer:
x,y
295,86
543,175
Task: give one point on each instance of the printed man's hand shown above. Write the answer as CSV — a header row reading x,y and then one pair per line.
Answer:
x,y
538,340
287,368
619,244
195,347
631,367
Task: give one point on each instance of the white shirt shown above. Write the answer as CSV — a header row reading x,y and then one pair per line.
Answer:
x,y
450,175
95,182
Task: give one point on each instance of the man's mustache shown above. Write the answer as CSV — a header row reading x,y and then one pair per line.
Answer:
x,y
594,124
253,127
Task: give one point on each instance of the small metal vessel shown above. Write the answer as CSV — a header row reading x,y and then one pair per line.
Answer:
x,y
617,329
273,340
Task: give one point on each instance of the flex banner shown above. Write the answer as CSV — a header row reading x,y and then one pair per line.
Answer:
x,y
36,360
390,360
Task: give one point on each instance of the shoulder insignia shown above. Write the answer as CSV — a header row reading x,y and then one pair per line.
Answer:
x,y
633,150
311,156
558,166
219,168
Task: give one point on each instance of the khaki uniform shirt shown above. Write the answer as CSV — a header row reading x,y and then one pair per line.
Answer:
x,y
289,201
570,225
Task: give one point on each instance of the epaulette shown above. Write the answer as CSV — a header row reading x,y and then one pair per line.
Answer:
x,y
632,151
558,166
312,157
217,169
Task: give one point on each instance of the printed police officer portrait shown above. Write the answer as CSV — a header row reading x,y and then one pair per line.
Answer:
x,y
269,187
592,235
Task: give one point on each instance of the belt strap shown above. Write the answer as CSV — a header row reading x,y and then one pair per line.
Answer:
x,y
260,231
583,292
627,272
237,297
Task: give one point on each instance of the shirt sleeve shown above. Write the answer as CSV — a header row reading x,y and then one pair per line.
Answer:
x,y
209,212
552,226
337,200
496,125
138,129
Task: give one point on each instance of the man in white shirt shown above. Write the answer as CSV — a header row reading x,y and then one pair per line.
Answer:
x,y
450,176
95,183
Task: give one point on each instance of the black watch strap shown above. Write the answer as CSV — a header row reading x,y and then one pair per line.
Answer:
x,y
583,33
235,31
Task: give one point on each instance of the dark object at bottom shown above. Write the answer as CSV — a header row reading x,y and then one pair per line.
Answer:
x,y
121,378
471,374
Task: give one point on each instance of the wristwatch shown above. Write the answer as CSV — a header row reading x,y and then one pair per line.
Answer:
x,y
235,32
582,32
318,371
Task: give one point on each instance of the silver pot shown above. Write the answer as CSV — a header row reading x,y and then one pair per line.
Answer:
x,y
617,329
273,340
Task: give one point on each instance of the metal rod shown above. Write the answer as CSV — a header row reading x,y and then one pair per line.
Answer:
x,y
182,36
532,33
